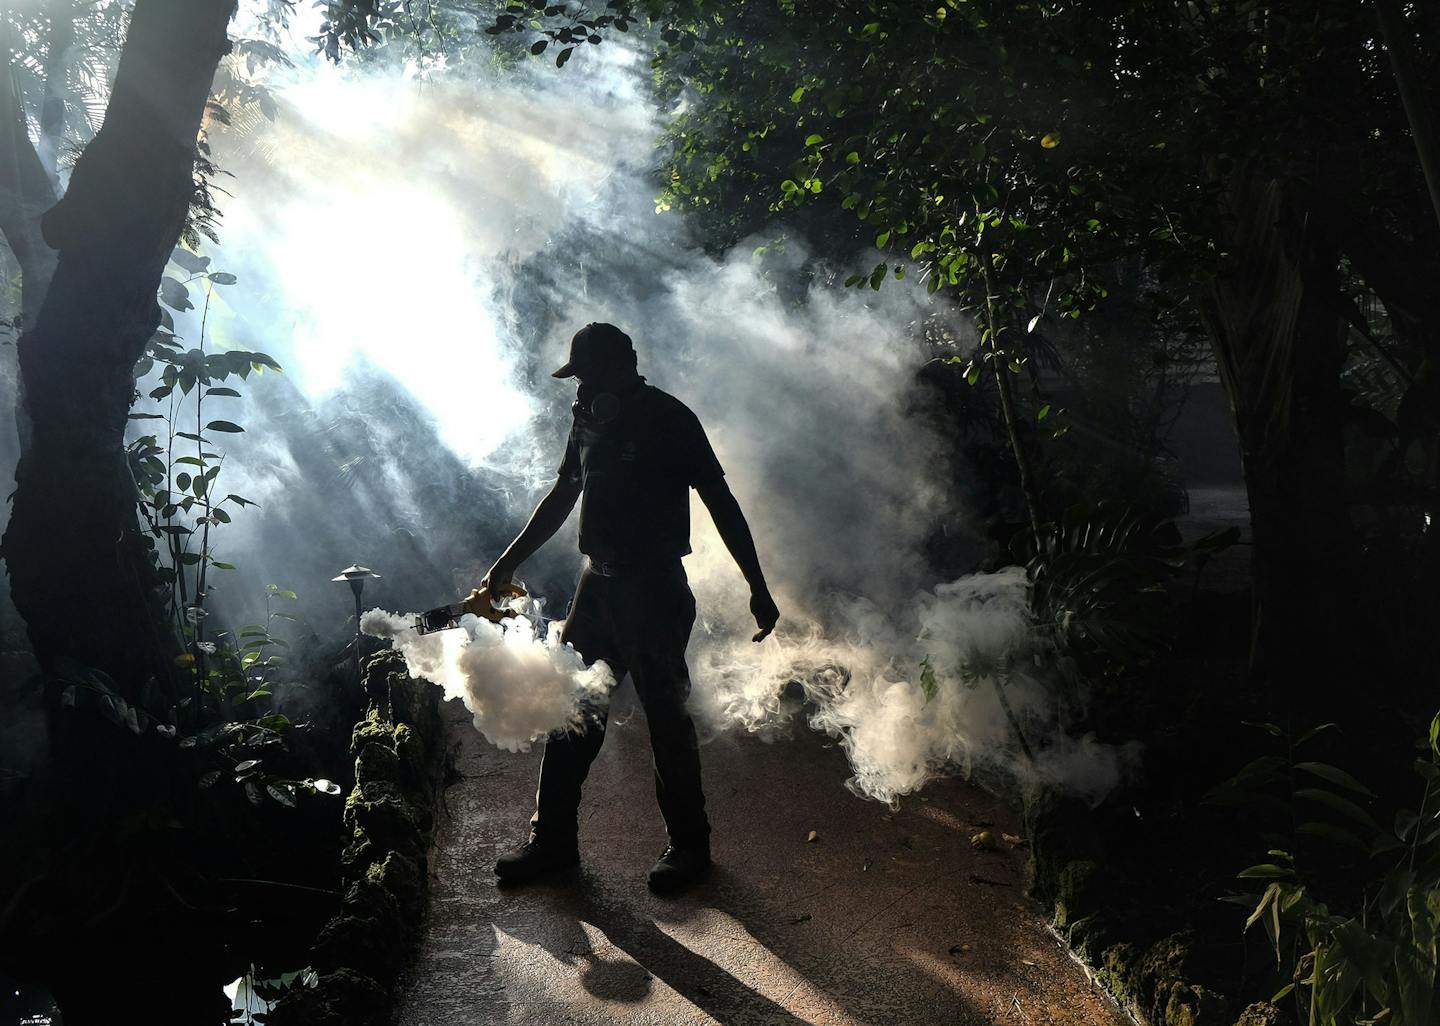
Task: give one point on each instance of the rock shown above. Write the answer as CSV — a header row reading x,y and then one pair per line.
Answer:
x,y
1262,1013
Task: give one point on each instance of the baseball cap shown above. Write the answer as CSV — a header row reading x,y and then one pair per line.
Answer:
x,y
594,346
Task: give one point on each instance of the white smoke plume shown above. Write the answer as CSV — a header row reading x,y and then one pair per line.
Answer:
x,y
518,687
416,251
956,679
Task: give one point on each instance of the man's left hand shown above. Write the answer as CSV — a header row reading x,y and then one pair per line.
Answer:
x,y
766,614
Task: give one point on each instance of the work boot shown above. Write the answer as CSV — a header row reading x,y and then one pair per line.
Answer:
x,y
679,868
535,859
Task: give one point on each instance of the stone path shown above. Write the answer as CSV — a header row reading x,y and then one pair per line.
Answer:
x,y
888,918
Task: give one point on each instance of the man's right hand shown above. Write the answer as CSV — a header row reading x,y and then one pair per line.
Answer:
x,y
497,577
766,614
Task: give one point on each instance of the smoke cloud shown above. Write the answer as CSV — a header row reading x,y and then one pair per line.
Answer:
x,y
416,251
518,687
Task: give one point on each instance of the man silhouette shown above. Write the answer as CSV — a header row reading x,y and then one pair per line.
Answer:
x,y
633,455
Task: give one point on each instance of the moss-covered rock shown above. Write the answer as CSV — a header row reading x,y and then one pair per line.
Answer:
x,y
1061,829
1262,1013
400,763
1153,978
1076,885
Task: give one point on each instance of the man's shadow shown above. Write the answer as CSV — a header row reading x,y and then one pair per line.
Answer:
x,y
653,954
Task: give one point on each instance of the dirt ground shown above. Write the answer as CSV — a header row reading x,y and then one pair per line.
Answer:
x,y
886,918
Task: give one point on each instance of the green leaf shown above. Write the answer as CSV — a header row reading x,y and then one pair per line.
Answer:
x,y
1335,775
225,426
174,294
190,263
797,95
1314,731
223,391
1342,805
564,56
538,48
928,684
814,140
1265,871
1272,892
1268,728
882,239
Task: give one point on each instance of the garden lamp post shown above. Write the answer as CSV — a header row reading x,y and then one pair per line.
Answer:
x,y
355,575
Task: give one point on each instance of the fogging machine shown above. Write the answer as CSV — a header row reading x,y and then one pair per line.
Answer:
x,y
481,602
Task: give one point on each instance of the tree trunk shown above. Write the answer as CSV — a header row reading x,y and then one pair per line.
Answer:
x,y
1277,333
74,535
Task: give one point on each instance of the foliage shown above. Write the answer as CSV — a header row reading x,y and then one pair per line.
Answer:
x,y
63,57
266,992
215,746
1351,908
1058,135
226,716
1098,583
179,477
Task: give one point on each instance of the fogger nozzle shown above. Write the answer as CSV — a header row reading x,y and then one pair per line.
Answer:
x,y
481,602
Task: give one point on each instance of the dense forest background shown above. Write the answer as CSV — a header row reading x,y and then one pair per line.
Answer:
x,y
1138,297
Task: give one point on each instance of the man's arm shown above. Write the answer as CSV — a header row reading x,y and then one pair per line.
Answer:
x,y
735,533
548,517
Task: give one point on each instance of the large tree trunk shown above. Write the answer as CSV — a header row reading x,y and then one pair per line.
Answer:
x,y
74,530
1278,337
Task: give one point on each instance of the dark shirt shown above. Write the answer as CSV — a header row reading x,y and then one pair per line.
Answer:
x,y
637,470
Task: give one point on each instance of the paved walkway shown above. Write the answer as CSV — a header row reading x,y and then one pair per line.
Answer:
x,y
885,919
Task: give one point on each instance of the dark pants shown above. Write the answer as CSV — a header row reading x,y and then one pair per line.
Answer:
x,y
638,623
